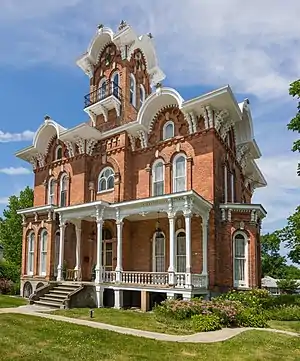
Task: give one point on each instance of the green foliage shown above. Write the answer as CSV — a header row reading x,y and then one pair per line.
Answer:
x,y
288,286
205,323
6,286
253,299
291,235
294,124
283,300
273,264
11,226
284,313
9,270
251,317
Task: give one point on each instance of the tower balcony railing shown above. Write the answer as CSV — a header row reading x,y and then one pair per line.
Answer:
x,y
106,90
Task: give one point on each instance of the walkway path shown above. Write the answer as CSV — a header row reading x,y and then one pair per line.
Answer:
x,y
202,337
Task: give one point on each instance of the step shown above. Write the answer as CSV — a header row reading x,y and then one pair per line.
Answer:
x,y
47,304
49,299
57,295
66,288
61,292
52,298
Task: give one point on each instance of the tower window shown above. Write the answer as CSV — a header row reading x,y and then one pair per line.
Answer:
x,y
168,130
106,180
132,90
142,95
58,152
115,85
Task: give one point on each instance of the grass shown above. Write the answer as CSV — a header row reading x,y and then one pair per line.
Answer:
x,y
11,301
128,318
24,337
292,326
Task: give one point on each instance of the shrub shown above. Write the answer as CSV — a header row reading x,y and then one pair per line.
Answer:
x,y
205,323
5,286
250,317
288,286
253,298
283,300
9,271
284,313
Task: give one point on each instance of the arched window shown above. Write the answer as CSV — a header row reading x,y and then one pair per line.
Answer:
x,y
106,234
63,190
43,252
132,89
102,88
51,191
179,173
115,85
158,184
106,180
168,130
58,152
240,252
158,252
180,252
30,253
142,95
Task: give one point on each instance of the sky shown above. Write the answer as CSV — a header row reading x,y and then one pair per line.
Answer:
x,y
201,45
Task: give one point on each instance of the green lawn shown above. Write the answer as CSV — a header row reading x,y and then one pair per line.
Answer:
x,y
25,338
292,326
11,301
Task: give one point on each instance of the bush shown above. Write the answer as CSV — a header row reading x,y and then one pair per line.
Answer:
x,y
205,323
284,313
283,300
250,317
9,271
5,286
254,298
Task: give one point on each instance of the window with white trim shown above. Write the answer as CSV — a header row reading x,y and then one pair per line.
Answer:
x,y
225,184
30,253
168,130
102,88
132,90
106,180
142,95
180,252
51,190
63,190
43,252
240,252
158,181
58,152
56,260
158,252
179,173
115,85
232,187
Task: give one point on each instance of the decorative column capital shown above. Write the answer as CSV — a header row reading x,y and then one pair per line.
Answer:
x,y
99,214
62,221
205,219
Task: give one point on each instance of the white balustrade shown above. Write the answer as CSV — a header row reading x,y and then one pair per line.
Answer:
x,y
109,276
145,278
199,281
180,280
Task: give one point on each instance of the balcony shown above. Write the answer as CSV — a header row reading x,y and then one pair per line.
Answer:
x,y
103,99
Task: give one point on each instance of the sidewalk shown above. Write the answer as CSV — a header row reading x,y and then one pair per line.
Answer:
x,y
202,337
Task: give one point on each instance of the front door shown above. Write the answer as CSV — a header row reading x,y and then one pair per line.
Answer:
x,y
107,255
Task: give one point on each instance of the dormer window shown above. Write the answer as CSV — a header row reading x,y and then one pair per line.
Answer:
x,y
58,152
132,90
142,95
168,130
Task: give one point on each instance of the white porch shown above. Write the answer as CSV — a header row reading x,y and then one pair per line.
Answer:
x,y
186,204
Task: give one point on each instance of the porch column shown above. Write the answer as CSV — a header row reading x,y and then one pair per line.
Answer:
x,y
119,267
77,268
171,269
98,269
62,226
204,244
188,248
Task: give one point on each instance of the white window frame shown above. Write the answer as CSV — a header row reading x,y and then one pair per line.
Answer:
x,y
106,180
181,230
154,256
113,84
61,189
57,149
154,181
51,191
30,252
132,90
175,170
56,257
225,184
43,252
170,122
102,95
142,94
241,283
232,186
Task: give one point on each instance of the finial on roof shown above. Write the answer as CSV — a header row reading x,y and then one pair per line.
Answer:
x,y
122,25
100,27
150,35
46,117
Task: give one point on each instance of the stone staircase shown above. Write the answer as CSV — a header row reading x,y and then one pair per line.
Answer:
x,y
56,296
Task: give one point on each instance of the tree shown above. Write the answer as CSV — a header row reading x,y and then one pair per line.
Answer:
x,y
288,286
11,226
291,235
294,124
273,264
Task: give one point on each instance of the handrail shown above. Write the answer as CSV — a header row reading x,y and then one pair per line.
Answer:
x,y
104,91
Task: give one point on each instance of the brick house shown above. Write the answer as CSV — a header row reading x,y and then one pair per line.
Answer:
x,y
151,197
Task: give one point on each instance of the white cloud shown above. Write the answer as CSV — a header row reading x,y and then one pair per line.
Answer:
x,y
15,171
254,45
16,137
3,200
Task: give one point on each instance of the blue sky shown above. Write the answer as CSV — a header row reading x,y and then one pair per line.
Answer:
x,y
202,45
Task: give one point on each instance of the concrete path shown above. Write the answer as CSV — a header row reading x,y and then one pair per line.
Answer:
x,y
202,337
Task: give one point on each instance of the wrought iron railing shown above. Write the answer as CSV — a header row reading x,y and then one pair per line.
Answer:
x,y
105,90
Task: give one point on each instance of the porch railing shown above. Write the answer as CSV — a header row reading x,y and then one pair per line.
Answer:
x,y
145,278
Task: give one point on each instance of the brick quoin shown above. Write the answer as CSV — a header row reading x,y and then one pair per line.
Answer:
x,y
210,145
